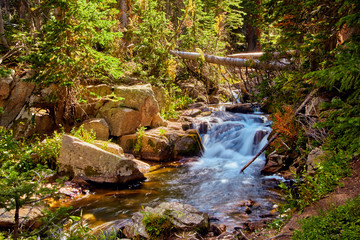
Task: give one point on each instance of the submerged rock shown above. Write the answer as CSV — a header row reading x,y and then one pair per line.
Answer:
x,y
182,217
91,163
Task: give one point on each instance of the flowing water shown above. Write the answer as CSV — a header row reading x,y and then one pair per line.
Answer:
x,y
211,183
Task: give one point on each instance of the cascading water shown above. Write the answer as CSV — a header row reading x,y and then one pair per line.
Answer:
x,y
211,184
230,141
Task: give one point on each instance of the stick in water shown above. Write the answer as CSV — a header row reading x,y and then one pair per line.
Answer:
x,y
277,134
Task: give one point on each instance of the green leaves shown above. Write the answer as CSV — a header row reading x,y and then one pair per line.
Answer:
x,y
75,45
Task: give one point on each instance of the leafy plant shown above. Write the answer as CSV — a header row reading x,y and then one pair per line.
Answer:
x,y
83,134
162,132
23,174
4,72
284,123
138,144
277,224
47,151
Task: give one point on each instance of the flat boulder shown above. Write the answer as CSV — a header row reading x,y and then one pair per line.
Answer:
x,y
109,147
93,164
181,217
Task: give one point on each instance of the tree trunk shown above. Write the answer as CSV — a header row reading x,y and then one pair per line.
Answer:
x,y
251,38
37,16
16,225
123,13
167,9
2,31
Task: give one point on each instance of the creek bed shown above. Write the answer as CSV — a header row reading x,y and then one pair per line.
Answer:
x,y
211,183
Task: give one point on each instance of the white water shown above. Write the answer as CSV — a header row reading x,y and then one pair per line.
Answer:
x,y
229,144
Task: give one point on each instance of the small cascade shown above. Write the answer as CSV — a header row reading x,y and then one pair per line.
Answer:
x,y
231,140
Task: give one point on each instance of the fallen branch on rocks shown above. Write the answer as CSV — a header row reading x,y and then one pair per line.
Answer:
x,y
277,134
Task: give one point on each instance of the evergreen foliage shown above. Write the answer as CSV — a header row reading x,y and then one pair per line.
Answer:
x,y
74,44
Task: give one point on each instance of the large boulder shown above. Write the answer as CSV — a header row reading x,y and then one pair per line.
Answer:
x,y
109,147
163,144
182,217
125,108
5,87
81,159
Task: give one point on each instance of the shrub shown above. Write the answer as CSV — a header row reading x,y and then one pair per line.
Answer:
x,y
157,226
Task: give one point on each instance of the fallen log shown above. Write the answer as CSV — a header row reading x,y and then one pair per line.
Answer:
x,y
238,62
256,55
277,134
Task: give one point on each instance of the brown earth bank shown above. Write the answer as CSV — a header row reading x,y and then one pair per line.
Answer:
x,y
349,189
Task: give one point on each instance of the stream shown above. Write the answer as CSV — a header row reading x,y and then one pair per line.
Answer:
x,y
211,183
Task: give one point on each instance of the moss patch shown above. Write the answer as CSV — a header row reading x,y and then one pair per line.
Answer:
x,y
90,171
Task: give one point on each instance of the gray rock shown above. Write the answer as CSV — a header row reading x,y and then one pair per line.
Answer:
x,y
315,157
81,159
